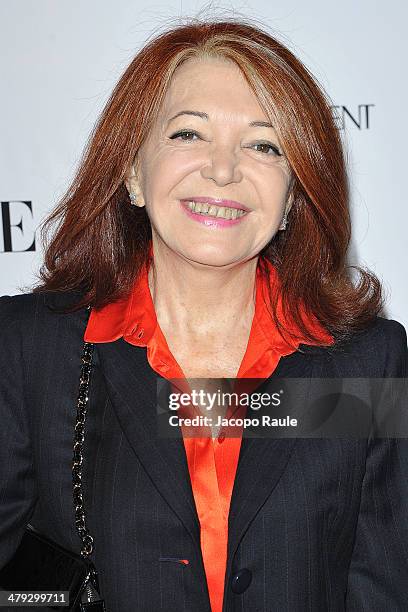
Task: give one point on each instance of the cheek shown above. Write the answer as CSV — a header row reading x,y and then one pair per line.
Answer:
x,y
273,189
166,172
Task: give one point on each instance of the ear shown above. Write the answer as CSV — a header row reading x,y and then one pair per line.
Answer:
x,y
289,203
132,183
290,200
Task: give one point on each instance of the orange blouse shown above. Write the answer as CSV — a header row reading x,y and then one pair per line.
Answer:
x,y
212,463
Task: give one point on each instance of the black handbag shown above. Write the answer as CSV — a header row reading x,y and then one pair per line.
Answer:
x,y
40,564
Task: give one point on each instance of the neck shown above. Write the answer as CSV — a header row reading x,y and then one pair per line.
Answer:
x,y
196,300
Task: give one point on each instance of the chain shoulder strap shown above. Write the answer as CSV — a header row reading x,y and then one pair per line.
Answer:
x,y
79,438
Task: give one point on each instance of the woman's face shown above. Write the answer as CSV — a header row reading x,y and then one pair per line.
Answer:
x,y
208,142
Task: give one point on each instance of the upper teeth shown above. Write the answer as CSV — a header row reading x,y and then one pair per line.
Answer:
x,y
215,211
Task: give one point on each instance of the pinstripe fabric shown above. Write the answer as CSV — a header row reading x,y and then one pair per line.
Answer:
x,y
321,524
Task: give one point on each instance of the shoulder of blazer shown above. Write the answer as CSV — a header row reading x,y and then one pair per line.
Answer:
x,y
27,304
25,316
395,340
378,350
379,333
388,339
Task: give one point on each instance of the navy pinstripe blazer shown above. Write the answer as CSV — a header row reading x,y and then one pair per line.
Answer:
x,y
314,525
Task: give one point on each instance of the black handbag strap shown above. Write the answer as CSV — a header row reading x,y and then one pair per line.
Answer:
x,y
79,438
90,598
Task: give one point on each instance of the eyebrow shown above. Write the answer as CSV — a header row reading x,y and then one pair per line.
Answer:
x,y
206,117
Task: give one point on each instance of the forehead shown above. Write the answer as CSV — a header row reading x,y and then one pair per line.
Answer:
x,y
211,85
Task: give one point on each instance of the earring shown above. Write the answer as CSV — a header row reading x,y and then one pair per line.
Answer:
x,y
283,222
133,198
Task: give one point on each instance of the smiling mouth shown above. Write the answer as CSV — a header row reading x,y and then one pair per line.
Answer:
x,y
213,210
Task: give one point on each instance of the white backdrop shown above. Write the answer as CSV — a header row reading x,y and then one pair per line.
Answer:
x,y
61,58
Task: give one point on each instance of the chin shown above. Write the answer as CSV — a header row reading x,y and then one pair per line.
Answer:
x,y
210,257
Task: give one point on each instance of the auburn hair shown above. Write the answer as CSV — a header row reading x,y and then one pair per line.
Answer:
x,y
101,243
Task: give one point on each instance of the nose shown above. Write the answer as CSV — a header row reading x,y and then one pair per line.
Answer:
x,y
222,166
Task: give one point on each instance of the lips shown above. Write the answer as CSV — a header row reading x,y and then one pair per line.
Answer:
x,y
217,202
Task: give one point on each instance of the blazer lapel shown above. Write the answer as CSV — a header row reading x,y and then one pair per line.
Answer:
x,y
131,386
262,461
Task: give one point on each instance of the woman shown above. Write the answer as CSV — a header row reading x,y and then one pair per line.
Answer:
x,y
207,227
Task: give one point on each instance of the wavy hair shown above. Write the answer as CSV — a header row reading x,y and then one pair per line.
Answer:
x,y
101,242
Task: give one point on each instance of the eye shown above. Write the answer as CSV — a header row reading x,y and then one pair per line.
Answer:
x,y
188,136
267,145
184,135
